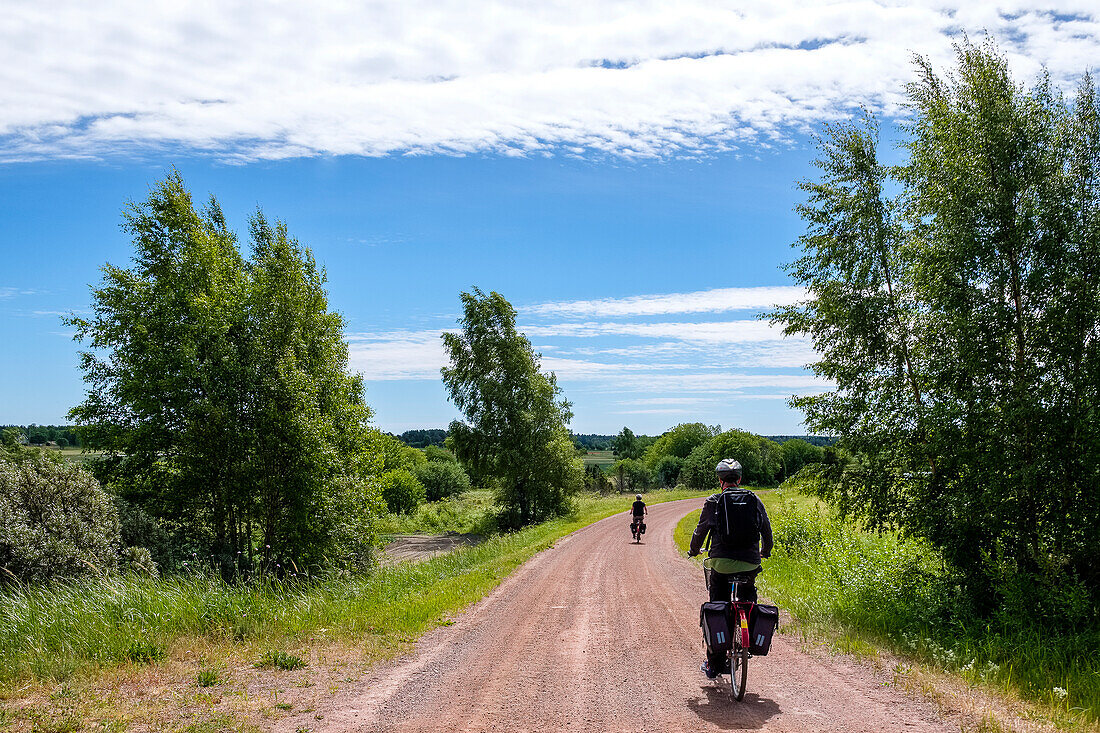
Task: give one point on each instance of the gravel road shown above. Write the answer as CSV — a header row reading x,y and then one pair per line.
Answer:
x,y
600,634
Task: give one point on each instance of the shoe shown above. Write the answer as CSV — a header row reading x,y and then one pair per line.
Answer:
x,y
706,670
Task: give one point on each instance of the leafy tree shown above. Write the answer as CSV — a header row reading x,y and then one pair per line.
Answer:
x,y
668,470
393,453
632,475
442,479
218,387
596,480
679,442
797,453
760,459
625,445
515,434
955,304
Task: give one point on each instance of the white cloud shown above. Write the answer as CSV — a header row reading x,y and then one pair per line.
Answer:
x,y
718,300
396,355
718,332
631,78
7,293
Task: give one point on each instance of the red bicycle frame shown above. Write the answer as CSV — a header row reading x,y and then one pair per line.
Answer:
x,y
744,613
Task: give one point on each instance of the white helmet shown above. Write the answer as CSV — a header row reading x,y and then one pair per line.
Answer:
x,y
728,470
638,497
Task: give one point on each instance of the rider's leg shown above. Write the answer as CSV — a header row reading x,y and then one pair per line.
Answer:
x,y
719,591
719,586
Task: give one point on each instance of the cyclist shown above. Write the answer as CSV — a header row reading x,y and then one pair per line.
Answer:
x,y
638,515
737,522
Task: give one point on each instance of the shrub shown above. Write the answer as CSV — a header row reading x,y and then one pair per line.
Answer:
x,y
401,491
138,561
55,520
442,479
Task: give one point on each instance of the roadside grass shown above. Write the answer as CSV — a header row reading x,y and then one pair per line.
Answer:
x,y
863,591
85,633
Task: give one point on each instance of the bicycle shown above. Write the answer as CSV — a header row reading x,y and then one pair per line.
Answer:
x,y
636,529
737,657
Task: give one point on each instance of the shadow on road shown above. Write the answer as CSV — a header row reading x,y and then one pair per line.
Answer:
x,y
718,710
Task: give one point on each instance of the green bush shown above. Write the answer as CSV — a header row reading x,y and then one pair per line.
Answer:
x,y
442,479
435,453
55,520
401,491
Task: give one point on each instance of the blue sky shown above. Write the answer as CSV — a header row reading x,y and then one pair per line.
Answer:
x,y
625,179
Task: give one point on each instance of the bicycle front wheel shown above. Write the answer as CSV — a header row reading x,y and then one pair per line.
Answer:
x,y
739,672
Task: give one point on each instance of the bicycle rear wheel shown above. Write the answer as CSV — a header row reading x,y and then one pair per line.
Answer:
x,y
739,672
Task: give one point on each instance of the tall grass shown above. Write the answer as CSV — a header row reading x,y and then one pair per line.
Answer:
x,y
51,631
893,592
472,512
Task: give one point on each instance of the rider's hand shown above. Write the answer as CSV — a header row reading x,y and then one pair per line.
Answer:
x,y
765,555
692,554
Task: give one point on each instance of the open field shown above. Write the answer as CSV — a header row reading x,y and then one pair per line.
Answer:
x,y
600,458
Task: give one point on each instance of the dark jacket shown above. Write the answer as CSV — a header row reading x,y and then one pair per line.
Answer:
x,y
746,549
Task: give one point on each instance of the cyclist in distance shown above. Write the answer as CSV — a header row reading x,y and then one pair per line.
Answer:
x,y
638,512
736,522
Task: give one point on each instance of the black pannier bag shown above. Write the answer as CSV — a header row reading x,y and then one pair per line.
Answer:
x,y
762,625
641,528
714,617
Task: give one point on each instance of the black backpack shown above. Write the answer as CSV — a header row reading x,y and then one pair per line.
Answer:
x,y
737,518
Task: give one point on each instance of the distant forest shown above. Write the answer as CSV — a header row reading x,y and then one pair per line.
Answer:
x,y
587,441
423,438
63,435
819,440
66,435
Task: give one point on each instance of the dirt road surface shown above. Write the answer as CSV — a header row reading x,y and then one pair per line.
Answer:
x,y
600,634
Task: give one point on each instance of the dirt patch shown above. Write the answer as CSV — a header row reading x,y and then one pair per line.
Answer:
x,y
415,547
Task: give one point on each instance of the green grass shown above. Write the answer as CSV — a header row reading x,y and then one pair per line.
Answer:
x,y
207,678
278,659
470,513
52,631
863,591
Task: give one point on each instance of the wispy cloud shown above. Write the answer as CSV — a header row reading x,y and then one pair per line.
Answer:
x,y
631,79
7,293
722,332
718,300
